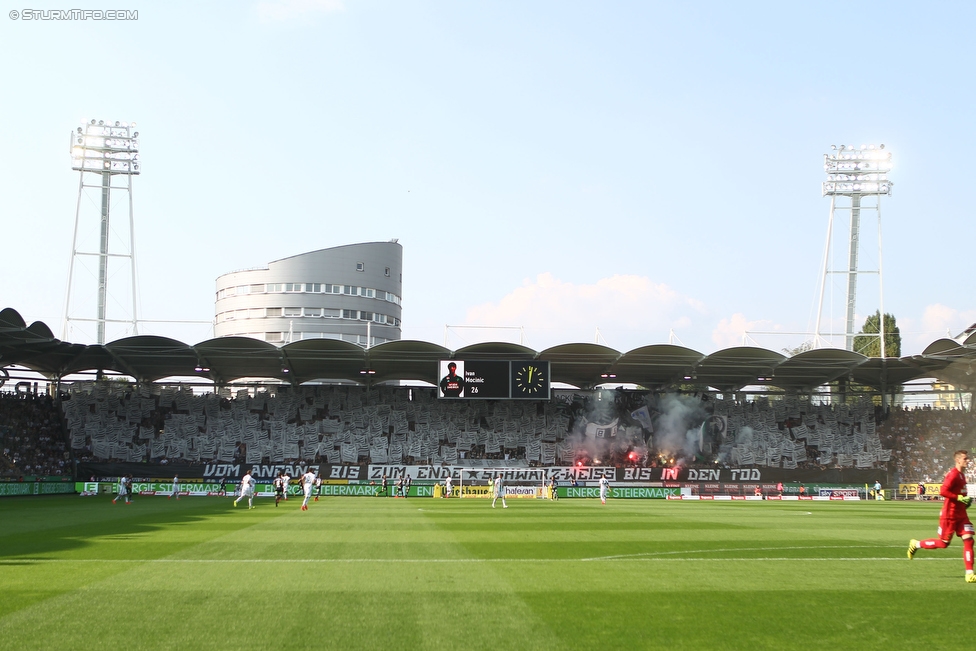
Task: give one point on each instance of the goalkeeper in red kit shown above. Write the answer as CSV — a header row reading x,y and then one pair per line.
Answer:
x,y
953,520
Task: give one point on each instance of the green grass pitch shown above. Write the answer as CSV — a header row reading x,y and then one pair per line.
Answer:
x,y
375,573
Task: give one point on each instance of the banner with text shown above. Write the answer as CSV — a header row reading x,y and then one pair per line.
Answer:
x,y
464,474
11,489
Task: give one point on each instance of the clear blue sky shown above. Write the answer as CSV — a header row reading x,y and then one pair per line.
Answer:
x,y
632,167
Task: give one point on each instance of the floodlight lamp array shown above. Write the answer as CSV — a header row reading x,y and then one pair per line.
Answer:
x,y
861,171
100,146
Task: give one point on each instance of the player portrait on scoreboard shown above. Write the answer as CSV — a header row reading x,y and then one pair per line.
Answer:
x,y
452,382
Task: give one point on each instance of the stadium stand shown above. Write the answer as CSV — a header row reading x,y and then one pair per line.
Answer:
x,y
924,440
397,425
394,425
31,437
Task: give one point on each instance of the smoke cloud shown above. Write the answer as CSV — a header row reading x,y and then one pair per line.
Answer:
x,y
677,434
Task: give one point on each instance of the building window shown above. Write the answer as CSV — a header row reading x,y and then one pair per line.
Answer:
x,y
331,313
293,311
274,337
273,312
272,288
313,311
313,287
349,314
360,266
386,272
365,316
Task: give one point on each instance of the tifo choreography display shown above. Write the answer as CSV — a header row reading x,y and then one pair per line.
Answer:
x,y
398,426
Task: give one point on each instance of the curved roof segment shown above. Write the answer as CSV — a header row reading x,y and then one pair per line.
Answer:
x,y
307,360
733,368
403,360
658,365
149,358
582,365
813,368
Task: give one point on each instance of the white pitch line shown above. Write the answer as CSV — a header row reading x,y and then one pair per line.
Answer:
x,y
732,549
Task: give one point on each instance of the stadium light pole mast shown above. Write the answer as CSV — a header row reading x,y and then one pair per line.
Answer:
x,y
854,175
103,150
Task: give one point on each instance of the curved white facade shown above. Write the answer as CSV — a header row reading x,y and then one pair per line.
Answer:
x,y
351,293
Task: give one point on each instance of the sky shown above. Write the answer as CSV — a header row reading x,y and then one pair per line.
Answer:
x,y
627,173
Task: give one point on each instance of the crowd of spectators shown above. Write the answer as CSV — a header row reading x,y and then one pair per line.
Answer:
x,y
31,437
410,426
924,440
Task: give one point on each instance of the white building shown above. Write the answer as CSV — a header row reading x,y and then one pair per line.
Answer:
x,y
351,293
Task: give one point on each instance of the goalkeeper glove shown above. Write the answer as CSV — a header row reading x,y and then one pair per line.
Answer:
x,y
965,499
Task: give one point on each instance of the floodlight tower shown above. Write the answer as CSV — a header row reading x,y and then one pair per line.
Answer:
x,y
856,181
100,152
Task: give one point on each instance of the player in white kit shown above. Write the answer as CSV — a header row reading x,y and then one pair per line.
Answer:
x,y
499,491
604,489
308,482
284,482
176,488
247,490
123,490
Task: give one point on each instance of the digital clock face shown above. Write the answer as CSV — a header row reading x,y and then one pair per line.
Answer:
x,y
530,380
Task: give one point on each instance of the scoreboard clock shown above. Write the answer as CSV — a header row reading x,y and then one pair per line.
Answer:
x,y
530,380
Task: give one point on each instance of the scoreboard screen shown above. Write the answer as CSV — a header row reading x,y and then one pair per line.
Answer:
x,y
493,379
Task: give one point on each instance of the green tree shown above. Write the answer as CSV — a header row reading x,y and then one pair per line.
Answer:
x,y
802,348
868,343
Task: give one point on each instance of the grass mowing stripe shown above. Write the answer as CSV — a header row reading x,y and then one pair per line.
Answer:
x,y
451,561
618,557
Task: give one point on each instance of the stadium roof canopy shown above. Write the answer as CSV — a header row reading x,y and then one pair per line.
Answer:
x,y
148,358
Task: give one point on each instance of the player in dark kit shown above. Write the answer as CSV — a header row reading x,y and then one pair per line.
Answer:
x,y
279,488
452,384
953,520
